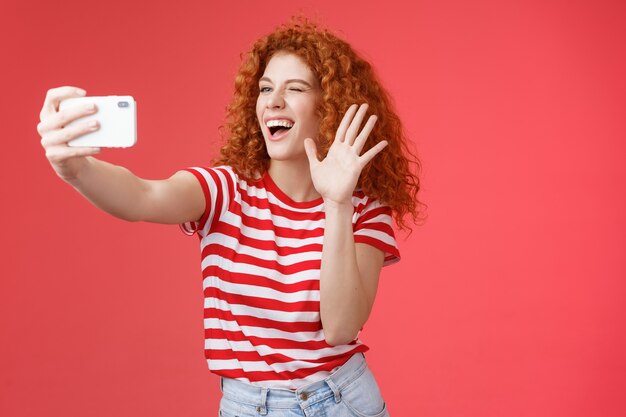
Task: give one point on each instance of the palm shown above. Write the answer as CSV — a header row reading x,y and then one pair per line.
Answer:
x,y
336,176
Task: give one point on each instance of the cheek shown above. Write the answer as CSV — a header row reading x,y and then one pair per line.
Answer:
x,y
315,117
259,107
309,110
259,113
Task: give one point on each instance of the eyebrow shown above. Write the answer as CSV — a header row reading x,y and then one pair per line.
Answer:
x,y
291,80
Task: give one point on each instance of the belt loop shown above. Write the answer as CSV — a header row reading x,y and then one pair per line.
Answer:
x,y
263,408
335,389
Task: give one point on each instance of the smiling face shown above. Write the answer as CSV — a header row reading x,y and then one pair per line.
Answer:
x,y
286,107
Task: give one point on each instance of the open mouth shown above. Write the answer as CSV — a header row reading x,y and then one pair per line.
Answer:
x,y
278,127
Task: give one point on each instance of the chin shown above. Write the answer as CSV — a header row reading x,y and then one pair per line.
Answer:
x,y
287,155
277,152
282,156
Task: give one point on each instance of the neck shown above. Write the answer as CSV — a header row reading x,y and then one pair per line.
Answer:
x,y
294,179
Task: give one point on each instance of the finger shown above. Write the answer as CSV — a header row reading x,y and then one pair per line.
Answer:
x,y
345,123
359,142
311,151
367,156
62,136
353,130
58,120
54,97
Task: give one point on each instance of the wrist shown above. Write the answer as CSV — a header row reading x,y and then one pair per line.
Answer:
x,y
338,206
74,173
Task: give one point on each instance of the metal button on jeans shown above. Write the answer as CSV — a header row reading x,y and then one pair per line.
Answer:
x,y
304,396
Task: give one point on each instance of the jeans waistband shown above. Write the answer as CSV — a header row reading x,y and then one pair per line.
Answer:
x,y
303,396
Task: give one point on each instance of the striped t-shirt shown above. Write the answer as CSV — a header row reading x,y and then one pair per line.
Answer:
x,y
261,253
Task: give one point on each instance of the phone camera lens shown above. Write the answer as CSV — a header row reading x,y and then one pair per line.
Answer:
x,y
122,104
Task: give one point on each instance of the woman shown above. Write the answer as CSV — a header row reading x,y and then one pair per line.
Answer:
x,y
294,221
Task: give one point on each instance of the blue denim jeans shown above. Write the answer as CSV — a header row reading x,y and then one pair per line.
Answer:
x,y
350,391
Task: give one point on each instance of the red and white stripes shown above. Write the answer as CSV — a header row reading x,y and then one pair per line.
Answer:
x,y
261,254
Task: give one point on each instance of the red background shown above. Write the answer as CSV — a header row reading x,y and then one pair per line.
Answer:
x,y
509,301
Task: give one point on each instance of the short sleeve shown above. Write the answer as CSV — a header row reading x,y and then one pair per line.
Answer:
x,y
373,226
217,187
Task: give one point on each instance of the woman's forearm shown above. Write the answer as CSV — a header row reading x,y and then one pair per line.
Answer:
x,y
344,306
111,188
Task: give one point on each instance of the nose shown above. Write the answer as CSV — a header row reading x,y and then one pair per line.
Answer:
x,y
275,100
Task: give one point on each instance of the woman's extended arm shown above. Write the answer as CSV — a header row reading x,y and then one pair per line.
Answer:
x,y
349,272
112,188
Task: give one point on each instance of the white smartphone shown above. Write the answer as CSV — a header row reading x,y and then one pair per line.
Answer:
x,y
117,116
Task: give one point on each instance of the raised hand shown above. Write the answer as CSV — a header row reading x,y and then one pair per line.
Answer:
x,y
336,176
65,160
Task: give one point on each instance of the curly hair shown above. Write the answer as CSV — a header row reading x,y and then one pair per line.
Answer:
x,y
345,79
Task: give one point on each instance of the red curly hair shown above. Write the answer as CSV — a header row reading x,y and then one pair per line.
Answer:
x,y
345,79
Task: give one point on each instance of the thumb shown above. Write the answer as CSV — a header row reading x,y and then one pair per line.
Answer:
x,y
311,151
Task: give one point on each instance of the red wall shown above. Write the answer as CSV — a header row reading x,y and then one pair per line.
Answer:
x,y
509,301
